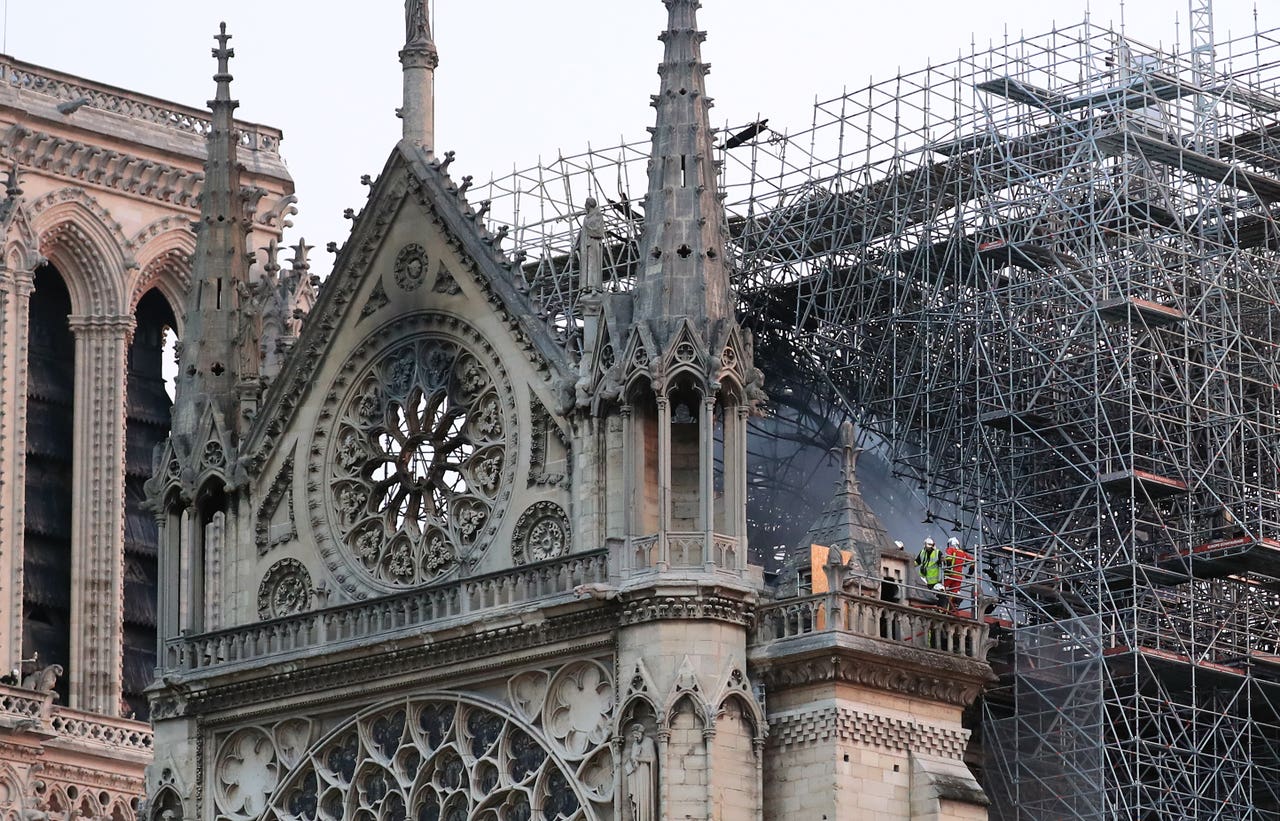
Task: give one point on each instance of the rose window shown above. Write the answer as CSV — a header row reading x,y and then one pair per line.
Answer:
x,y
418,461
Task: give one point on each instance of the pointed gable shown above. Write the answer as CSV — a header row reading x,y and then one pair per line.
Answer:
x,y
424,392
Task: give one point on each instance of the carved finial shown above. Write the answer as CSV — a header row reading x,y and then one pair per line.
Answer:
x,y
851,452
300,262
272,266
223,56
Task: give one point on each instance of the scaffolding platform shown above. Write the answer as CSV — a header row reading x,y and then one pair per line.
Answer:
x,y
1030,420
1124,578
1175,670
1226,557
1139,92
1032,256
1155,485
1136,141
1126,309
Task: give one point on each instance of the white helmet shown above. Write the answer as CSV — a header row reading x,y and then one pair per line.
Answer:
x,y
953,542
928,541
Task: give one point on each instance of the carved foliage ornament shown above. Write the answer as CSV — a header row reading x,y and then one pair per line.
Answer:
x,y
542,533
411,267
420,464
285,590
442,758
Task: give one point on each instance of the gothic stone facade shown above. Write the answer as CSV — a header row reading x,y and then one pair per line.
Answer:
x,y
447,570
97,242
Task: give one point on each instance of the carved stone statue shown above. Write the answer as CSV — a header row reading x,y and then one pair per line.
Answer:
x,y
44,679
417,28
591,247
639,764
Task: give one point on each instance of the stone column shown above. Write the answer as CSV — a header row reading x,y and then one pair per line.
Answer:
x,y
15,302
739,478
664,481
97,519
664,772
628,487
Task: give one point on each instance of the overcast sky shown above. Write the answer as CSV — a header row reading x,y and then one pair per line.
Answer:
x,y
521,79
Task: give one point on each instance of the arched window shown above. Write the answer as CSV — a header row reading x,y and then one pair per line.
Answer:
x,y
46,590
146,425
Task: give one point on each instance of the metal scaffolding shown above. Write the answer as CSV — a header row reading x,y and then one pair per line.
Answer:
x,y
1046,277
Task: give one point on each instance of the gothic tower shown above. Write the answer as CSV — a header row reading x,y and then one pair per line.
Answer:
x,y
687,387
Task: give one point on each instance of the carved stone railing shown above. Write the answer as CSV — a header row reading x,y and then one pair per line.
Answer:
x,y
872,618
19,703
678,550
34,711
138,107
116,733
412,610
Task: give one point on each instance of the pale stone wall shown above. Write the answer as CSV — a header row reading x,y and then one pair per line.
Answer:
x,y
868,744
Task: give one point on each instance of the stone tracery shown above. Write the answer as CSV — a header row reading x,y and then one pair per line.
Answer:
x,y
440,758
421,462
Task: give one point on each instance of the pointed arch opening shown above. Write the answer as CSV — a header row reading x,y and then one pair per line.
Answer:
x,y
149,397
688,427
47,556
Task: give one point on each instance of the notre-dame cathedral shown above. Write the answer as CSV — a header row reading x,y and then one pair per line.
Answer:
x,y
413,558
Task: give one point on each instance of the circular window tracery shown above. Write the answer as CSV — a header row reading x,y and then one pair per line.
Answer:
x,y
421,459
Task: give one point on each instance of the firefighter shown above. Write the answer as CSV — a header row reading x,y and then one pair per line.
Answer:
x,y
929,564
955,562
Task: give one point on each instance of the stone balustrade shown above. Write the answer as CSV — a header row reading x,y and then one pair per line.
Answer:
x,y
678,550
35,712
137,107
412,610
873,618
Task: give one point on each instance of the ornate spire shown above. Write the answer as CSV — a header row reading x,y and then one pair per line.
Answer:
x,y
847,522
419,59
684,272
213,365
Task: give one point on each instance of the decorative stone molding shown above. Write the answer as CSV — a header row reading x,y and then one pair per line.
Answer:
x,y
378,300
193,121
543,428
411,267
541,533
285,590
702,606
445,283
865,729
888,675
86,163
280,492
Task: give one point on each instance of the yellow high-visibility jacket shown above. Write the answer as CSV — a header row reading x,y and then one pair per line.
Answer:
x,y
929,563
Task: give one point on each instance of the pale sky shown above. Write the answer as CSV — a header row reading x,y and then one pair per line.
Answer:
x,y
521,79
